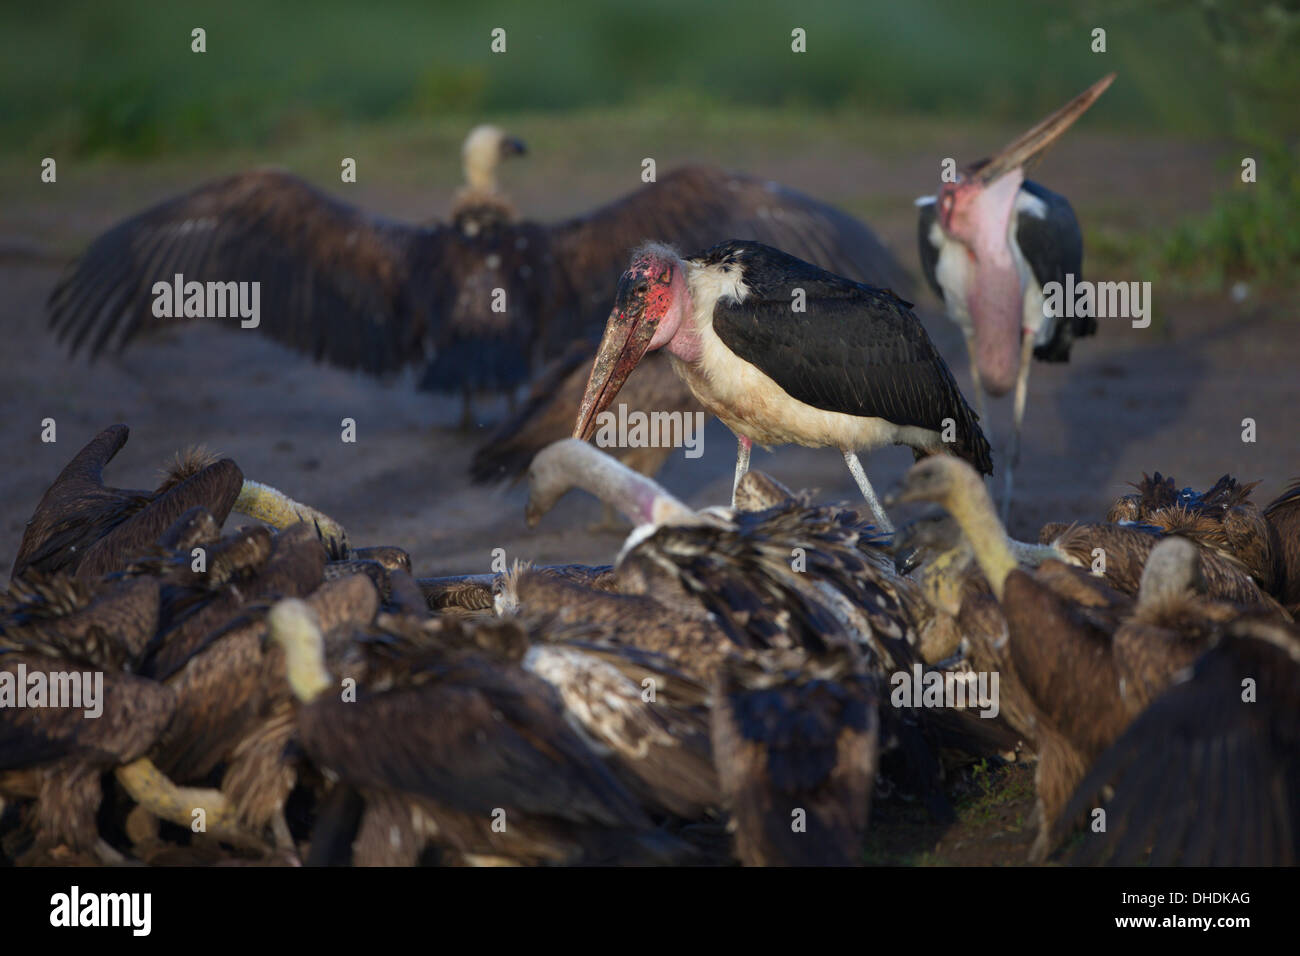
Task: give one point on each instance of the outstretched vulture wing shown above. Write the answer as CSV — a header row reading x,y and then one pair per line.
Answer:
x,y
335,283
1209,773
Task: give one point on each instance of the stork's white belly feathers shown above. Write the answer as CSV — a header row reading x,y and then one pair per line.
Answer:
x,y
754,406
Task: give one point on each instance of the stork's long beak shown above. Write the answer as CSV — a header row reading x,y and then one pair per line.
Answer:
x,y
1027,148
627,338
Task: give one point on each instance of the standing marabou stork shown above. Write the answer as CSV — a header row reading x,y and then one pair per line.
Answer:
x,y
989,243
852,369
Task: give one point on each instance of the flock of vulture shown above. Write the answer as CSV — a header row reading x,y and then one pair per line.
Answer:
x,y
727,689
739,681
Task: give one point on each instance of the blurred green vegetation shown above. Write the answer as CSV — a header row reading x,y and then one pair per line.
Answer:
x,y
118,81
90,77
1252,231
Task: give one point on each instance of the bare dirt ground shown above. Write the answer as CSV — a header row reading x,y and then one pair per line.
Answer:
x,y
1170,397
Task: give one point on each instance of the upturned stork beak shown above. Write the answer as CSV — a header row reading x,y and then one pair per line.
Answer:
x,y
627,339
1027,148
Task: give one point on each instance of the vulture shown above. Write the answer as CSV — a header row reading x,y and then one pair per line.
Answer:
x,y
1081,659
84,526
448,743
1242,553
1283,517
475,303
790,615
1209,774
57,633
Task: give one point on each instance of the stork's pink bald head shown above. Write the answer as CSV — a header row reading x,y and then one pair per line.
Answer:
x,y
649,308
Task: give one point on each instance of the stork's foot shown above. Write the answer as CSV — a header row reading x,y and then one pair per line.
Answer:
x,y
279,510
1041,847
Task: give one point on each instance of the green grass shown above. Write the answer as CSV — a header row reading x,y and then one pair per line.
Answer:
x,y
1250,233
84,77
992,789
94,82
983,795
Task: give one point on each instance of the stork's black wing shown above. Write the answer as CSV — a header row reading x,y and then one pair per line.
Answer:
x,y
697,206
335,282
1053,247
854,349
1210,773
927,217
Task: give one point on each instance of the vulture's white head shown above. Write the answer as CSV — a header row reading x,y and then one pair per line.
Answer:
x,y
484,148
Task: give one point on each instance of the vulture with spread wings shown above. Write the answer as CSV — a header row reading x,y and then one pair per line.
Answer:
x,y
478,302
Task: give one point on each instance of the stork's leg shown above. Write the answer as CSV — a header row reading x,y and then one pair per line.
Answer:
x,y
860,476
976,384
743,448
1022,394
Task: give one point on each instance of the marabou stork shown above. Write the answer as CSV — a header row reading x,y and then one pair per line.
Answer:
x,y
785,352
989,242
477,302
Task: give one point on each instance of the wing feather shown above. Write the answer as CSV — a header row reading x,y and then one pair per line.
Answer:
x,y
336,283
854,349
1204,776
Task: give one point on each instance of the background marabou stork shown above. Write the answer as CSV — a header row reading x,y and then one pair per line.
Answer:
x,y
989,243
852,369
